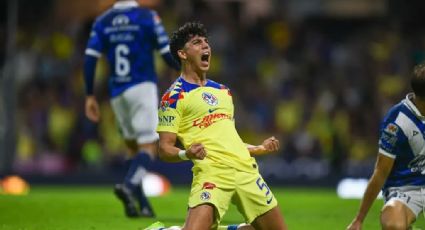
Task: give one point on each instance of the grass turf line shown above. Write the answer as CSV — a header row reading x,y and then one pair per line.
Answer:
x,y
96,208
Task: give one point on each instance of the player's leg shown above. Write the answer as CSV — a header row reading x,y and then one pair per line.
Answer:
x,y
144,120
271,220
211,192
396,215
125,194
204,217
130,192
402,206
138,165
130,114
200,217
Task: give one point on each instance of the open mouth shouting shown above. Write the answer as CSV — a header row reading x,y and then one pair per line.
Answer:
x,y
205,58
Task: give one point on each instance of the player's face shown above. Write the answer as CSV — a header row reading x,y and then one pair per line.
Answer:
x,y
198,53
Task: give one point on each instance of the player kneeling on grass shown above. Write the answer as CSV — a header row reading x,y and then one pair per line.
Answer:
x,y
400,167
199,112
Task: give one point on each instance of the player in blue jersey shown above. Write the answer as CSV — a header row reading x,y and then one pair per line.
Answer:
x,y
400,166
128,35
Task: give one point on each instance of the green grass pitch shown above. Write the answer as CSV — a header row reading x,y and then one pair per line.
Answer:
x,y
95,208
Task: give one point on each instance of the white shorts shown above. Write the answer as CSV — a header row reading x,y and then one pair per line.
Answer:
x,y
136,111
411,196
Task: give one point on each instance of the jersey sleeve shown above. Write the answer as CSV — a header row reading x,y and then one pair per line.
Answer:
x,y
391,139
95,44
160,35
169,114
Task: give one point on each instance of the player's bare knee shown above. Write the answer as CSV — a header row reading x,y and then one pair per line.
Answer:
x,y
393,225
392,220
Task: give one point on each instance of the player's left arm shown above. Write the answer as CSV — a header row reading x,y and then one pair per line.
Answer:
x,y
269,145
162,42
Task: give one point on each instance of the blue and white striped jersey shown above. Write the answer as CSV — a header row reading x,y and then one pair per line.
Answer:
x,y
128,34
402,137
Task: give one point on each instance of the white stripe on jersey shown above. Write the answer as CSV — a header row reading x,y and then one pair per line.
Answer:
x,y
125,4
93,52
412,132
164,50
383,152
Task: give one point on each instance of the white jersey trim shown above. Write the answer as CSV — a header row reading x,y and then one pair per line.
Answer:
x,y
408,102
385,153
93,52
125,4
164,50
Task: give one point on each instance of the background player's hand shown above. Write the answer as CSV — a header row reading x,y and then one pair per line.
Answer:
x,y
92,109
355,225
196,151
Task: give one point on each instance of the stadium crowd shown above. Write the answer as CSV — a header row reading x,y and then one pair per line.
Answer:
x,y
319,84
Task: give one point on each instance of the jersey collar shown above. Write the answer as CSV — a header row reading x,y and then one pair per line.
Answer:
x,y
411,106
193,86
125,4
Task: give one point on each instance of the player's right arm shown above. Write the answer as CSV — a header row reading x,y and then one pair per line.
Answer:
x,y
92,53
170,153
169,119
383,168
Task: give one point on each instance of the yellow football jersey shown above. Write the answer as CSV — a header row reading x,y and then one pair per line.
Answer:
x,y
204,114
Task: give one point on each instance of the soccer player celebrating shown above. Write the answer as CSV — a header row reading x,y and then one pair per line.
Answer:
x,y
400,165
128,34
199,112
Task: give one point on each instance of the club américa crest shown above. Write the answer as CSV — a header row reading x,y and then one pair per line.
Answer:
x,y
209,98
205,196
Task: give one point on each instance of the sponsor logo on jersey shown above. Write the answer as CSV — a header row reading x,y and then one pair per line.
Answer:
x,y
391,129
120,19
210,119
166,120
212,110
388,139
208,185
210,99
269,200
205,196
418,164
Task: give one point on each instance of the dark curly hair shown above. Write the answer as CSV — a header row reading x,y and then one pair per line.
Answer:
x,y
418,80
184,34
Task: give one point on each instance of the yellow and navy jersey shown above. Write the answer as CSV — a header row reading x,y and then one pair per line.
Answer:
x,y
204,114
